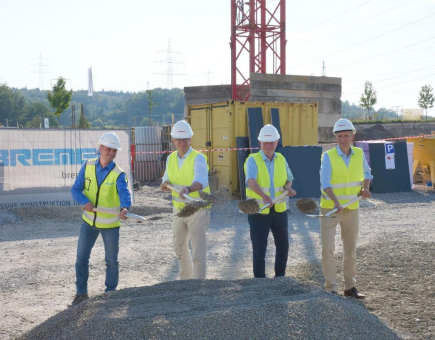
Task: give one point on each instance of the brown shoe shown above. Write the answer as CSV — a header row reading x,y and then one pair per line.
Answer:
x,y
354,293
78,299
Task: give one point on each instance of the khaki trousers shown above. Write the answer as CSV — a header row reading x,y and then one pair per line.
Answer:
x,y
191,229
349,223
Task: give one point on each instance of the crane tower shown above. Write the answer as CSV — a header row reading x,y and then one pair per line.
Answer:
x,y
257,35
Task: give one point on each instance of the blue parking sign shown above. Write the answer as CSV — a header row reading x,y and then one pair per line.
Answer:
x,y
389,148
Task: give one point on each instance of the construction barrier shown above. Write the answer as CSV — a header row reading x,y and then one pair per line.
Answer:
x,y
39,167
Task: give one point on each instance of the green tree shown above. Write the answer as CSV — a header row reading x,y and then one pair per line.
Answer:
x,y
60,98
34,116
426,98
151,104
12,105
83,122
368,98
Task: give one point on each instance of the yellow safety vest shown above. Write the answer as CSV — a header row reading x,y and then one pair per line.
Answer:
x,y
104,196
263,180
346,182
181,178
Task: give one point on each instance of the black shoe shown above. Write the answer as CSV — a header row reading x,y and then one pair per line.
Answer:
x,y
354,293
79,298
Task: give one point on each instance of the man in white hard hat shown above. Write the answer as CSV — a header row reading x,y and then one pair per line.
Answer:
x,y
267,176
344,174
187,171
101,183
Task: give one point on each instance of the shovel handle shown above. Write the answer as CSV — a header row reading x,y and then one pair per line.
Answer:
x,y
178,192
276,199
104,211
356,199
137,217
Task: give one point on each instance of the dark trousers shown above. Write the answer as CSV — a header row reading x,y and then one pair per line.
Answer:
x,y
260,225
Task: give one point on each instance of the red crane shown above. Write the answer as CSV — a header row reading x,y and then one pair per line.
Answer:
x,y
257,32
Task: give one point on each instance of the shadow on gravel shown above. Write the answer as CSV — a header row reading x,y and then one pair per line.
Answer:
x,y
32,223
412,197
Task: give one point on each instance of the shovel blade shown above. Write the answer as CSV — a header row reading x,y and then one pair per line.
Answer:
x,y
320,216
141,218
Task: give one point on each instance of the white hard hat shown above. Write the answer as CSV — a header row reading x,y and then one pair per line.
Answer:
x,y
268,133
181,129
343,124
111,140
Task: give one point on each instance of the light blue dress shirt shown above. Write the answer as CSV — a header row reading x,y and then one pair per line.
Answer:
x,y
252,171
326,170
200,171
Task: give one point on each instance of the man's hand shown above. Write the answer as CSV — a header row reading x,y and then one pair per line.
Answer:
x,y
267,199
89,206
122,214
365,193
338,206
291,192
164,187
184,191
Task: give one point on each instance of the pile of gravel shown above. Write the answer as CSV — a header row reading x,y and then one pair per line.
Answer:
x,y
281,308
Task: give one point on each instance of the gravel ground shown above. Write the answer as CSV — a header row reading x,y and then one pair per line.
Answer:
x,y
395,265
211,309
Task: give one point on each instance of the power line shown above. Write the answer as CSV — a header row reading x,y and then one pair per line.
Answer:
x,y
169,66
353,24
404,74
365,41
41,70
426,76
403,82
336,16
380,55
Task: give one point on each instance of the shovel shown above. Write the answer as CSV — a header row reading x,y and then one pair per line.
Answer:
x,y
276,199
190,208
251,206
178,192
129,215
328,214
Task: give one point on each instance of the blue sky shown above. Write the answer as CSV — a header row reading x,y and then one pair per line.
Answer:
x,y
388,42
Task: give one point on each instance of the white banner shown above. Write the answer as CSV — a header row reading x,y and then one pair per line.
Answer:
x,y
90,83
39,167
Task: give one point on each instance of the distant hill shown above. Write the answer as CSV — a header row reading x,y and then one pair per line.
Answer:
x,y
113,109
118,109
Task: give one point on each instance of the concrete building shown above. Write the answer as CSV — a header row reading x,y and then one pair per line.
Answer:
x,y
326,91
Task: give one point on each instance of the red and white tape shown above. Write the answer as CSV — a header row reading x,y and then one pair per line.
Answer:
x,y
244,149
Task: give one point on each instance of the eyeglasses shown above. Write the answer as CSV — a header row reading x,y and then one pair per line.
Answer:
x,y
181,140
109,149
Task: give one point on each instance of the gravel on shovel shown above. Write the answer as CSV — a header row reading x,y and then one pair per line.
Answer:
x,y
306,205
249,206
220,196
190,208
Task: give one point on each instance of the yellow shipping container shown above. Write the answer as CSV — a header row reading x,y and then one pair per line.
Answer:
x,y
216,127
424,157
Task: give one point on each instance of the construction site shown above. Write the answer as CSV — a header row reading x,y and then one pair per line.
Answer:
x,y
40,221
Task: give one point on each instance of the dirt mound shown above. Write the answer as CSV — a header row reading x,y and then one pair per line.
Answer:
x,y
280,308
378,131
